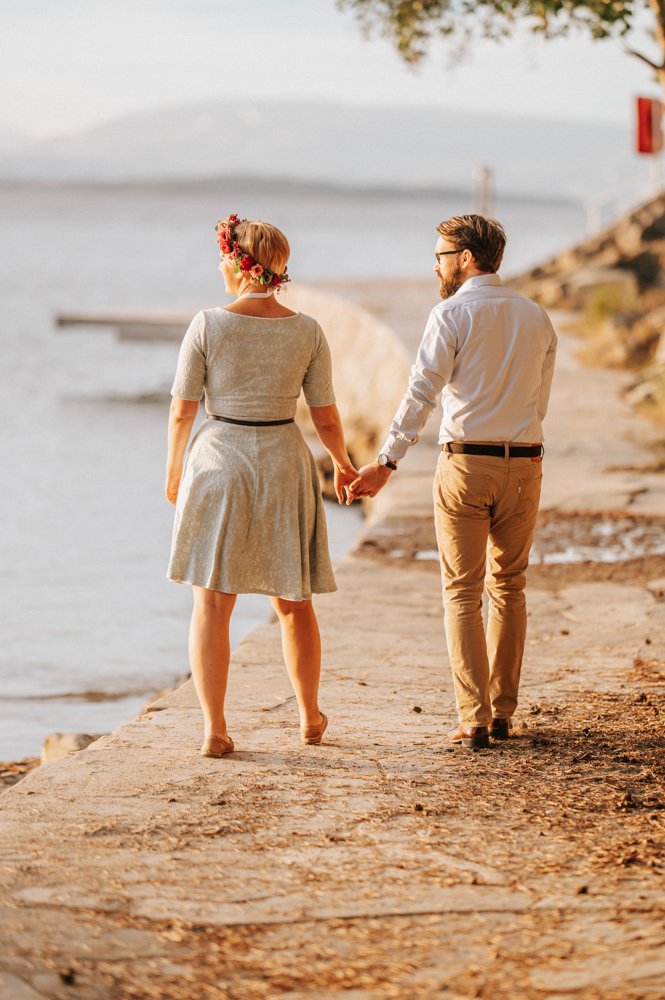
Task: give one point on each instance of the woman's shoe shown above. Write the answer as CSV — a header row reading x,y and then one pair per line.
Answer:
x,y
216,746
313,734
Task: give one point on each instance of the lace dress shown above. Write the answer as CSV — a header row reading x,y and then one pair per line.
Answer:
x,y
249,516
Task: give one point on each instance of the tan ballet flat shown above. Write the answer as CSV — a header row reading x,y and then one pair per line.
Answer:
x,y
216,746
313,734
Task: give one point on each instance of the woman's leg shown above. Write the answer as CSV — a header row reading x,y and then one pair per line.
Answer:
x,y
209,653
301,645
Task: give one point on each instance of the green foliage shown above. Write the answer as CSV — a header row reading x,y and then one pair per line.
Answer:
x,y
606,301
413,24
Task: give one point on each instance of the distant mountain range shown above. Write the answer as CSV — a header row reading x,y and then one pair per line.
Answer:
x,y
403,147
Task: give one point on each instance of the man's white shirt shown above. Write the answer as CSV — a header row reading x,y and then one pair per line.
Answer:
x,y
491,352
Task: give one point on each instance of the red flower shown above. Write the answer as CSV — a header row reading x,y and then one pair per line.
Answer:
x,y
247,263
225,246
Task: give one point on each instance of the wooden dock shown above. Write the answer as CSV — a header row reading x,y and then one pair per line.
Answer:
x,y
130,326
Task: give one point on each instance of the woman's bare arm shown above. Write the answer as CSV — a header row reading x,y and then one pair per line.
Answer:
x,y
182,415
328,425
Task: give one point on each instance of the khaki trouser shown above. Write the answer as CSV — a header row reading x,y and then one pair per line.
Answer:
x,y
480,499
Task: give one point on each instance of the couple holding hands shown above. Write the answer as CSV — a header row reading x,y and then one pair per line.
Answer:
x,y
249,516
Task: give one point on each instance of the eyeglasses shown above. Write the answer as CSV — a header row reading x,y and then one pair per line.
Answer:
x,y
444,253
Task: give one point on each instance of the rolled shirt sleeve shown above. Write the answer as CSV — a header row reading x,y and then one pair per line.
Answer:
x,y
317,383
191,370
430,373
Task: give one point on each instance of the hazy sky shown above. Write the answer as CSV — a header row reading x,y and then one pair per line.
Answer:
x,y
71,63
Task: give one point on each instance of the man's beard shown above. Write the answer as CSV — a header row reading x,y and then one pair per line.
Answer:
x,y
448,286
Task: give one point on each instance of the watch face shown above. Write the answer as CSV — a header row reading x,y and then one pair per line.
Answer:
x,y
382,459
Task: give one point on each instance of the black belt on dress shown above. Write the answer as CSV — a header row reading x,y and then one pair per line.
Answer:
x,y
514,450
251,423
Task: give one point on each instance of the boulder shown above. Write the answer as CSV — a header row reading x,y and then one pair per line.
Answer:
x,y
616,283
60,744
642,392
634,245
659,354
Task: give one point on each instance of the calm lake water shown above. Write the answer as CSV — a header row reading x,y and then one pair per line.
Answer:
x,y
90,627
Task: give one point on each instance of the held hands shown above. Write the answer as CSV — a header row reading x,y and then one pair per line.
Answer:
x,y
344,475
370,480
364,483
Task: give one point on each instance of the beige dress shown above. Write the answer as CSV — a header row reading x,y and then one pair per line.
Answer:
x,y
249,517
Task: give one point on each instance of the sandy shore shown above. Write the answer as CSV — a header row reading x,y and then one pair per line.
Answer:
x,y
383,863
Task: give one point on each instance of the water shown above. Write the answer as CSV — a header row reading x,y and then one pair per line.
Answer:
x,y
90,627
584,538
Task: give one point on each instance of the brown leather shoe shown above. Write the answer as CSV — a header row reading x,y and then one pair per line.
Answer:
x,y
470,737
501,729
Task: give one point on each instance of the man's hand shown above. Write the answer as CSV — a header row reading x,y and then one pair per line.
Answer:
x,y
344,476
370,480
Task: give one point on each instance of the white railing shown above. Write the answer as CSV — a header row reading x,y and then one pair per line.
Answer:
x,y
605,208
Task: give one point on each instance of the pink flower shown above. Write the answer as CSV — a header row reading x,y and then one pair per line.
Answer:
x,y
256,271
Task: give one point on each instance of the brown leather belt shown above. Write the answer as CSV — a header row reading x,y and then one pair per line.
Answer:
x,y
251,423
514,450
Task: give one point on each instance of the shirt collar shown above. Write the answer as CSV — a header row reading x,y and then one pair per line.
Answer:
x,y
477,281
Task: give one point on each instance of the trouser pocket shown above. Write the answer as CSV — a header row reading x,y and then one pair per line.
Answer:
x,y
528,495
461,492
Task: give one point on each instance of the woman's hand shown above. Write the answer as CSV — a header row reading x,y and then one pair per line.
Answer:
x,y
173,477
344,476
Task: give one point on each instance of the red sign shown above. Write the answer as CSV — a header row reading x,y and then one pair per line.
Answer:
x,y
649,125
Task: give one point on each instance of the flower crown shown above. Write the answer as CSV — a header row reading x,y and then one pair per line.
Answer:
x,y
244,263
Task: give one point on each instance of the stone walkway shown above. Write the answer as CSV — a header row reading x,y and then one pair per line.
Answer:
x,y
382,863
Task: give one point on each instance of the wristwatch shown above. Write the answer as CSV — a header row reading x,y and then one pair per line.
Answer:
x,y
384,460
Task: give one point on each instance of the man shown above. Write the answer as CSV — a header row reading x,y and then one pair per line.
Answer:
x,y
491,352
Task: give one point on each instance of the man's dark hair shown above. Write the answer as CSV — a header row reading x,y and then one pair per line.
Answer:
x,y
485,238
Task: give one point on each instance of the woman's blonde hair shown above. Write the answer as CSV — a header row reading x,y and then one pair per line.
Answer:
x,y
266,244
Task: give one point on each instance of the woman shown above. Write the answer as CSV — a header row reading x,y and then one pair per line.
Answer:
x,y
249,515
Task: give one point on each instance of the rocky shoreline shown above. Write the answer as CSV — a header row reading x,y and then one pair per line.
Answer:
x,y
13,770
614,281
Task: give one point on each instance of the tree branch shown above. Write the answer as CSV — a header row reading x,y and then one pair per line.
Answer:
x,y
659,67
